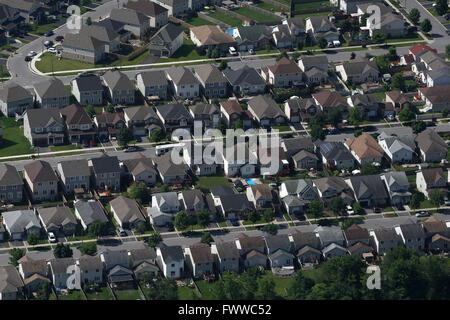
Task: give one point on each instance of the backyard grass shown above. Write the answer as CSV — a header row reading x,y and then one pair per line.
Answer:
x,y
254,15
426,204
186,293
128,294
306,15
43,28
14,142
311,5
185,52
102,294
211,182
281,284
413,37
270,7
207,289
230,20
197,21
73,295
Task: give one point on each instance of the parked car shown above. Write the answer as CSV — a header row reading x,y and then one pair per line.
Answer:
x,y
376,210
48,43
121,232
32,53
232,51
234,223
51,237
251,51
49,33
422,214
28,58
446,201
138,139
350,210
130,149
52,50
59,38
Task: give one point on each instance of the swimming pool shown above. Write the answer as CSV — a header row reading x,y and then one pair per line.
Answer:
x,y
250,182
230,31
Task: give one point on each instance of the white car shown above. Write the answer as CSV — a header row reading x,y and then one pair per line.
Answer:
x,y
446,201
32,53
350,210
51,237
52,50
232,51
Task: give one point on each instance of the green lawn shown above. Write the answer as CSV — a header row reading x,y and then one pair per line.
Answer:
x,y
270,7
43,28
65,147
73,295
306,15
223,224
254,15
185,52
412,37
287,217
14,142
186,293
128,294
197,21
426,204
281,284
311,5
207,289
210,182
103,293
230,20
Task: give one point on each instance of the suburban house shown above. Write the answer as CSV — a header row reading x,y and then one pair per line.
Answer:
x,y
237,164
245,80
260,195
232,112
308,256
174,116
296,194
245,243
193,201
235,206
134,21
170,172
436,98
91,269
166,41
398,99
58,272
355,234
43,127
83,47
174,7
335,155
30,11
207,113
305,160
282,37
333,250
88,89
296,27
320,27
171,261
199,259
58,220
11,284
254,37
284,73
397,186
201,164
281,259
164,206
88,212
266,111
226,256
277,242
412,235
315,68
112,258
367,103
439,76
142,120
143,261
328,100
21,223
299,109
106,172
80,127
430,179
419,49
304,239
330,235
432,147
108,124
14,99
183,83
433,226
120,89
399,148
74,174
385,240
369,190
152,84
330,187
219,191
141,169
41,180
360,249
365,149
358,71
51,93
11,184
210,37
157,14
294,145
126,212
390,24
254,258
214,84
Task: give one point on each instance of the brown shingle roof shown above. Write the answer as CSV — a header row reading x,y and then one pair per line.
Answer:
x,y
365,146
30,265
201,253
211,35
284,65
433,175
329,99
231,106
75,114
40,171
250,242
355,232
433,224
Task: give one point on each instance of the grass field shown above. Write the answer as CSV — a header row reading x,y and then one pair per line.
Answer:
x,y
270,7
65,147
14,142
230,20
312,5
211,182
306,15
74,295
207,289
186,293
128,294
102,294
197,21
254,15
185,52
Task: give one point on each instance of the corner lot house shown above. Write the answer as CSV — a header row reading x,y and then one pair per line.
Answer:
x,y
171,261
88,212
21,223
83,47
11,184
74,174
14,99
58,219
51,94
126,212
43,127
133,20
88,89
41,180
120,89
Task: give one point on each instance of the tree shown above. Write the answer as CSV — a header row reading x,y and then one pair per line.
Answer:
x,y
406,115
383,63
398,82
157,135
253,216
124,136
357,208
110,108
232,287
32,238
444,112
14,256
335,116
203,217
207,238
89,21
90,110
268,215
436,198
266,289
315,208
181,221
379,37
441,7
161,289
416,198
223,65
283,54
89,248
270,229
62,250
98,228
44,290
300,287
143,227
317,132
426,26
154,239
337,205
392,53
414,15
322,42
448,155
354,116
447,51
237,124
296,56
316,120
418,126
215,53
139,192
357,132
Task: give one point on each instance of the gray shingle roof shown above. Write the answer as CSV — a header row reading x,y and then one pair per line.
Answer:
x,y
370,185
105,164
60,265
142,113
167,34
171,198
172,254
165,166
430,142
41,118
75,168
335,151
209,73
20,220
10,280
90,82
90,211
201,253
173,112
412,231
242,75
40,171
265,107
385,234
278,241
154,78
9,175
51,88
129,16
147,7
182,76
82,41
117,80
127,210
227,250
56,216
90,263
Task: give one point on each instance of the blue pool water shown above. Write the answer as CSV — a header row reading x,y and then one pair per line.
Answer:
x,y
250,182
230,31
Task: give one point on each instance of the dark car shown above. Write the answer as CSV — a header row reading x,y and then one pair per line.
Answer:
x,y
85,144
28,58
287,136
376,210
49,33
234,222
335,131
138,139
59,38
48,43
